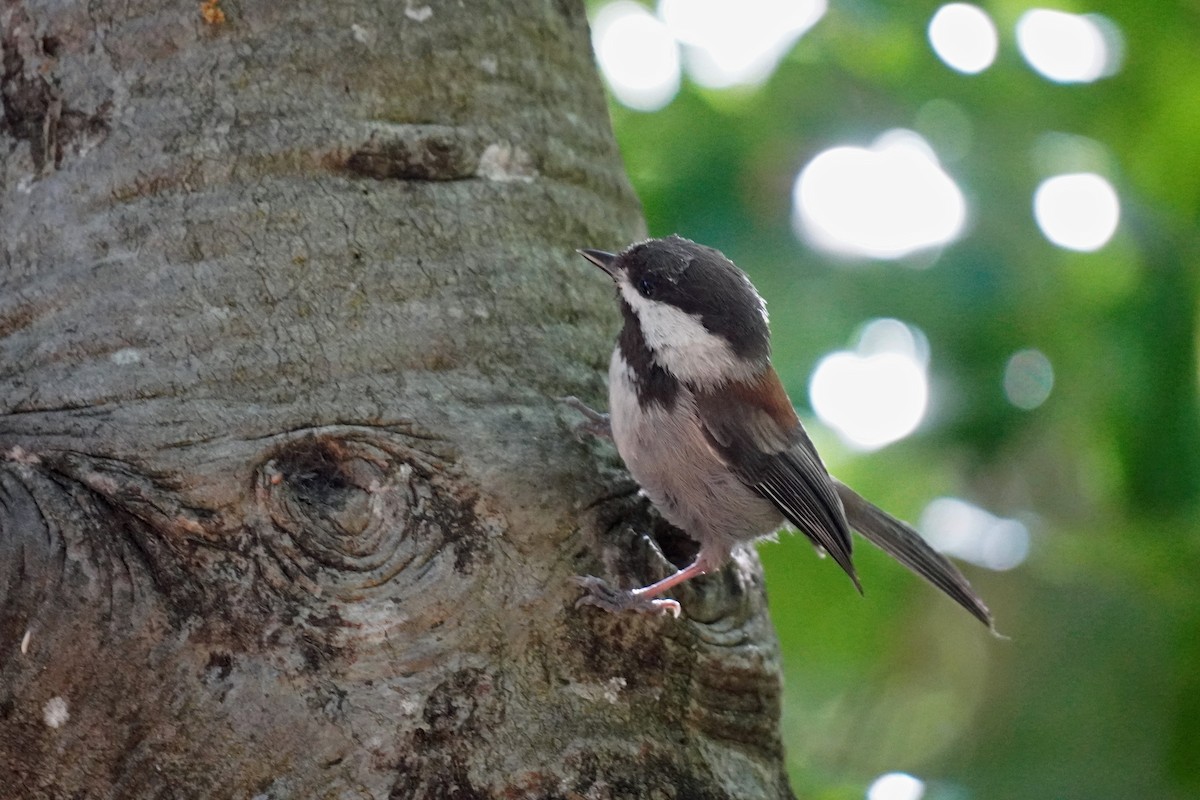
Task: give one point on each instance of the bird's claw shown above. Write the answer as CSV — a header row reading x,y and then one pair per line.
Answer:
x,y
616,601
596,424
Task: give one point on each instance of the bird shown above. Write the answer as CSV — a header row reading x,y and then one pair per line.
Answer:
x,y
707,430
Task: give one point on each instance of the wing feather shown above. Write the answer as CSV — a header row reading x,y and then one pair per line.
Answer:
x,y
753,427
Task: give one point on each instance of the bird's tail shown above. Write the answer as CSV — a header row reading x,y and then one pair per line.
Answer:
x,y
905,545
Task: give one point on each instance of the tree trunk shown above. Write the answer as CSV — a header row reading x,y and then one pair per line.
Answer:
x,y
286,506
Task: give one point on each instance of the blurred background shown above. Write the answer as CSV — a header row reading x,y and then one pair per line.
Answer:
x,y
976,229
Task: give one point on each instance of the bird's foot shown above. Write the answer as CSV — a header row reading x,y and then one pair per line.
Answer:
x,y
616,601
597,424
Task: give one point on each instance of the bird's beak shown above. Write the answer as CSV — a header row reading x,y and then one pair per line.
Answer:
x,y
601,259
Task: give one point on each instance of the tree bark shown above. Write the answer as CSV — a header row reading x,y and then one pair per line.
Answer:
x,y
286,506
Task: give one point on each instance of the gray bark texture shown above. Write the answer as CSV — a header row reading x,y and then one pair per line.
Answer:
x,y
287,508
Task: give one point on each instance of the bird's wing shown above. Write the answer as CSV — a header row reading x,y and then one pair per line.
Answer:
x,y
752,426
906,546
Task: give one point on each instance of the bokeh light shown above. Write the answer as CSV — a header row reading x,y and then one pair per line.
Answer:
x,y
1028,379
963,530
896,786
737,42
1069,48
964,37
886,201
638,56
876,394
1079,211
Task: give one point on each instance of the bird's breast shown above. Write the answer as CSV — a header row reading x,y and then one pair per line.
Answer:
x,y
664,446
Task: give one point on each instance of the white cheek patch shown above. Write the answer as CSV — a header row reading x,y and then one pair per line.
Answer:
x,y
682,345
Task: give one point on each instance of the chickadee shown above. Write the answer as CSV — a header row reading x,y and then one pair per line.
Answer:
x,y
706,429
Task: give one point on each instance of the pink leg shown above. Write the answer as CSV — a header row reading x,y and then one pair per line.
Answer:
x,y
645,599
693,570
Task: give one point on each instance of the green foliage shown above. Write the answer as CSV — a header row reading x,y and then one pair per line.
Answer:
x,y
1096,693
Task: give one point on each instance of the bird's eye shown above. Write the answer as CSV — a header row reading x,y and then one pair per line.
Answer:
x,y
646,287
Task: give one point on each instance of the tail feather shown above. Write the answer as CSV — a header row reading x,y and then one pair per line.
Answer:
x,y
905,545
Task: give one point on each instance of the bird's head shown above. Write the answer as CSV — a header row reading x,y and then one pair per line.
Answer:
x,y
698,314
